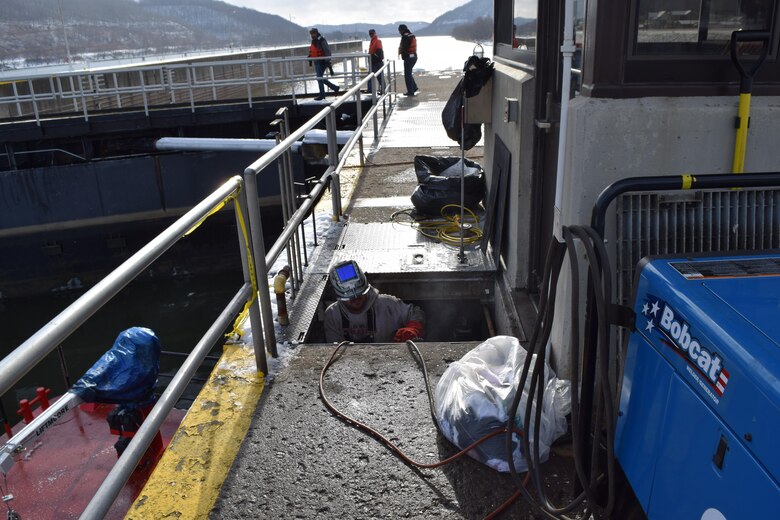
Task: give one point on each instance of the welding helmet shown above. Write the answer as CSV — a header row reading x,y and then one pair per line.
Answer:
x,y
348,280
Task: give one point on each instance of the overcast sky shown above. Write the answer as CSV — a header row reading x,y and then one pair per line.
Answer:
x,y
335,12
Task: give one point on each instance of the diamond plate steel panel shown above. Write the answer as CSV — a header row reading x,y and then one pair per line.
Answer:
x,y
391,248
414,124
303,309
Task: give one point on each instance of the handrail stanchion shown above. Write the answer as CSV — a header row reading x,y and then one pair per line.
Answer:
x,y
190,73
143,91
301,241
255,321
83,98
34,102
261,269
281,166
333,159
374,87
248,85
359,115
286,174
16,97
265,75
213,83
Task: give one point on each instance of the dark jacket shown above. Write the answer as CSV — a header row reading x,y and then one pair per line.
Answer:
x,y
408,47
319,47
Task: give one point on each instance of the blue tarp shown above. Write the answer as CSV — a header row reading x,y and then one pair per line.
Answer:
x,y
126,374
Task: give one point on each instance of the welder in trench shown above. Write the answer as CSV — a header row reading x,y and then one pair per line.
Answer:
x,y
363,315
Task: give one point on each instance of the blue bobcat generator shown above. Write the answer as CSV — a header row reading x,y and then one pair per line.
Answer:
x,y
698,428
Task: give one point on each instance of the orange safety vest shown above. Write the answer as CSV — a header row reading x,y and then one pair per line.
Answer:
x,y
412,45
315,51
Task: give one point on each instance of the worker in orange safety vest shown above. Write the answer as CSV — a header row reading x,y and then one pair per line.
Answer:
x,y
319,50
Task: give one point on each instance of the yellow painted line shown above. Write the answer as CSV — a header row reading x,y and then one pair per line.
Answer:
x,y
186,482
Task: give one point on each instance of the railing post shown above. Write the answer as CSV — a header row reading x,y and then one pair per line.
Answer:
x,y
258,251
284,188
255,321
293,81
333,160
169,79
34,103
16,96
189,85
359,114
248,85
213,83
301,242
374,87
143,92
73,94
265,76
119,96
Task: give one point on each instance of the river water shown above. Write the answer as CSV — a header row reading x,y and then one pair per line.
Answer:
x,y
179,310
436,53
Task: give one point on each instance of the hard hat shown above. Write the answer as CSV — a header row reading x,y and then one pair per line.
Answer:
x,y
348,280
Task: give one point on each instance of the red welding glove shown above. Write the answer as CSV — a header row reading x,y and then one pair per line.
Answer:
x,y
413,329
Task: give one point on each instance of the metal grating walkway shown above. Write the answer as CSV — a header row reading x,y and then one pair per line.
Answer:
x,y
389,248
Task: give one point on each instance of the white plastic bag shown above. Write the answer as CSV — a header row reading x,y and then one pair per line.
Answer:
x,y
474,395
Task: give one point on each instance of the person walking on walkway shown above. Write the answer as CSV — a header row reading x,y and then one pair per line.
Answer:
x,y
377,57
363,315
319,48
408,52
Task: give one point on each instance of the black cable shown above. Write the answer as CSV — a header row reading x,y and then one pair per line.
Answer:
x,y
574,341
599,284
535,398
548,288
599,298
604,346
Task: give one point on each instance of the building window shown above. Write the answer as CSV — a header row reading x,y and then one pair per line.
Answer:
x,y
515,30
678,47
700,27
524,24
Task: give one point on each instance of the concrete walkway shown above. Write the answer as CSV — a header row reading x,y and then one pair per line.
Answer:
x,y
299,461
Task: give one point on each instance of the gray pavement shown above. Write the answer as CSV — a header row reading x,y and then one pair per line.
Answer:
x,y
299,461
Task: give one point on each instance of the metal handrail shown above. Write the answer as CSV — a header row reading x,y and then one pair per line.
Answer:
x,y
284,143
117,477
265,258
80,89
16,364
124,467
32,351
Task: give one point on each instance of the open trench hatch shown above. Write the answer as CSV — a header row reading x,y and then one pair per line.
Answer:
x,y
299,460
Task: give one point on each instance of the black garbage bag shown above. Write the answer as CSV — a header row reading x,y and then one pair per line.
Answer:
x,y
451,118
438,183
477,72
